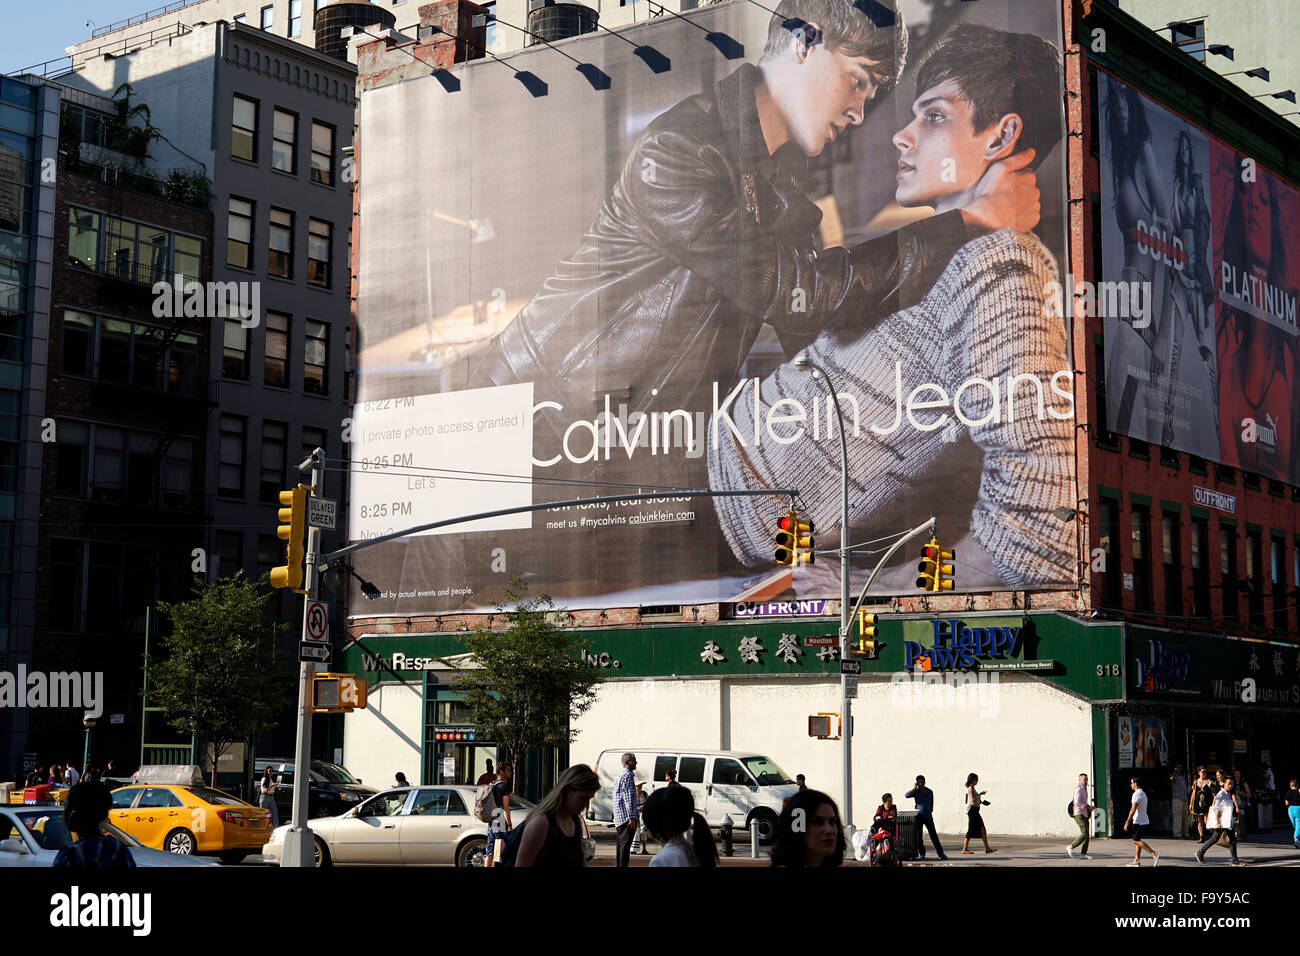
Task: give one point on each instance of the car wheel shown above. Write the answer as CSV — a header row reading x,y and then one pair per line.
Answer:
x,y
472,852
763,825
322,853
180,840
231,857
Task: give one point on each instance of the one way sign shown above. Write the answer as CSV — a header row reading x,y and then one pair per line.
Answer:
x,y
850,667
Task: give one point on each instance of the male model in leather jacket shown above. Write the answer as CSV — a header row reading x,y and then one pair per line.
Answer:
x,y
707,233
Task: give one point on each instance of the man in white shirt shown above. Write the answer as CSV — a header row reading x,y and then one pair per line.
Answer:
x,y
1082,812
1138,821
71,777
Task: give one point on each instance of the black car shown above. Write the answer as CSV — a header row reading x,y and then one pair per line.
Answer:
x,y
333,789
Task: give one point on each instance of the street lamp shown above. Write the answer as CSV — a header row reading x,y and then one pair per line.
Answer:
x,y
89,723
804,364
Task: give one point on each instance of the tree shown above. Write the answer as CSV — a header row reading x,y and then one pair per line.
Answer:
x,y
219,676
525,684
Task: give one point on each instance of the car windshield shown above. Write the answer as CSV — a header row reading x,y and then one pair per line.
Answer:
x,y
46,828
331,773
765,771
216,797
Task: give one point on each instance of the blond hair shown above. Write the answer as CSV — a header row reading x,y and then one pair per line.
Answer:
x,y
579,777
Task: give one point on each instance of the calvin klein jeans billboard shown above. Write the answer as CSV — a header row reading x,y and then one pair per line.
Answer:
x,y
1199,237
588,271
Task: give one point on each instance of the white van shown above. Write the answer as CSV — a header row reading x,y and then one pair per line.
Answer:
x,y
735,783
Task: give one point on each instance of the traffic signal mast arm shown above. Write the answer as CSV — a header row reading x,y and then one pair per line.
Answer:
x,y
919,529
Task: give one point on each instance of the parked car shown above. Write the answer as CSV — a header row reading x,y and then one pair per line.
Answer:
x,y
333,789
33,836
191,819
739,784
415,825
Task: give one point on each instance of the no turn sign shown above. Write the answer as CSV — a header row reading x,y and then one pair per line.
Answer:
x,y
318,626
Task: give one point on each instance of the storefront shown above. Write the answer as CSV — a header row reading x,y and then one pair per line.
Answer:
x,y
1014,698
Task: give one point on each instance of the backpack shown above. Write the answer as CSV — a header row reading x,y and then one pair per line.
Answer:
x,y
1069,809
484,803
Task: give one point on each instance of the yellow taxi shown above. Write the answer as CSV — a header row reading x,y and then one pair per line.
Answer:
x,y
191,819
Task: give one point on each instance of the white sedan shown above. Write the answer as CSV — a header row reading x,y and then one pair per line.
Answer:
x,y
416,825
33,836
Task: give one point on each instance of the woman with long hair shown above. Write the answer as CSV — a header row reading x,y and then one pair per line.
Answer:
x,y
669,815
552,836
809,833
975,829
266,798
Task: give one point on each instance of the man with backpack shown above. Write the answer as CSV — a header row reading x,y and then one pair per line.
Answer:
x,y
1080,809
492,806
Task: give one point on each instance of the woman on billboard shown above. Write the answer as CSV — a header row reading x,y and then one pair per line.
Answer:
x,y
982,348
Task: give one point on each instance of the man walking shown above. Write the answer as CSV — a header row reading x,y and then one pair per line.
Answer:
x,y
71,778
923,797
626,817
501,824
1082,811
1139,822
1179,798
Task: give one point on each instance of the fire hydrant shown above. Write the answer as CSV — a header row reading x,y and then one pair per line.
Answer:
x,y
725,832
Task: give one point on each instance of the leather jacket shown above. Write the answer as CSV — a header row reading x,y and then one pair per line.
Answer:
x,y
702,239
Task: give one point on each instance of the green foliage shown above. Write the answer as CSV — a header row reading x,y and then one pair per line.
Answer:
x,y
219,675
526,684
191,188
123,137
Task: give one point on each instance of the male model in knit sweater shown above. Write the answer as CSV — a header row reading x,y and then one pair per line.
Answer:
x,y
979,357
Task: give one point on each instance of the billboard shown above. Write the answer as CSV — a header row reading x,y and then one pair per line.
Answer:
x,y
1201,333
591,280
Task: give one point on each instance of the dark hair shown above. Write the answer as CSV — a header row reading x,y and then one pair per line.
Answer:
x,y
886,796
1125,147
86,807
1135,780
669,812
971,778
1000,73
789,847
920,778
867,28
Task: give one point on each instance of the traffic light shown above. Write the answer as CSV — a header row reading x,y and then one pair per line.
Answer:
x,y
337,693
936,575
794,541
820,726
292,521
866,636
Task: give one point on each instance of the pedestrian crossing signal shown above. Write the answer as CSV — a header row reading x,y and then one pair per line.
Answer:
x,y
794,542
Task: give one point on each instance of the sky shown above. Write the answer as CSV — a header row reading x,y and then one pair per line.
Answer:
x,y
37,31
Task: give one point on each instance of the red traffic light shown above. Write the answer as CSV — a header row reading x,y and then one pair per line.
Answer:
x,y
784,523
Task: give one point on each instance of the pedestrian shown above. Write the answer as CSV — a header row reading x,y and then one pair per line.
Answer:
x,y
975,829
1081,810
400,780
1202,797
669,816
501,824
671,776
487,775
799,781
85,808
1292,799
70,776
1267,769
1179,796
1219,821
808,832
625,809
266,796
886,817
108,770
639,836
89,774
37,777
1245,798
56,775
923,797
1139,822
552,832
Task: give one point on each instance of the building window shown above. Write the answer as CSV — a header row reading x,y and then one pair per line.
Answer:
x,y
230,553
312,438
295,17
268,17
1277,575
1255,577
230,463
83,238
277,350
1190,38
315,377
284,139
78,343
1111,575
67,564
275,442
1228,570
490,28
239,234
178,473
279,260
243,129
1141,538
318,252
322,153
234,356
270,554
73,449
187,259
107,464
1200,568
1172,564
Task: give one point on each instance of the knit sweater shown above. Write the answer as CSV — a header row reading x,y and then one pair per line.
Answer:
x,y
986,318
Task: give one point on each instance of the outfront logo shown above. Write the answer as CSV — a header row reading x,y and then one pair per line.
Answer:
x,y
958,647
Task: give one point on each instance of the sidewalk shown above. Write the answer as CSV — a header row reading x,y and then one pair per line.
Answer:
x,y
1273,847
